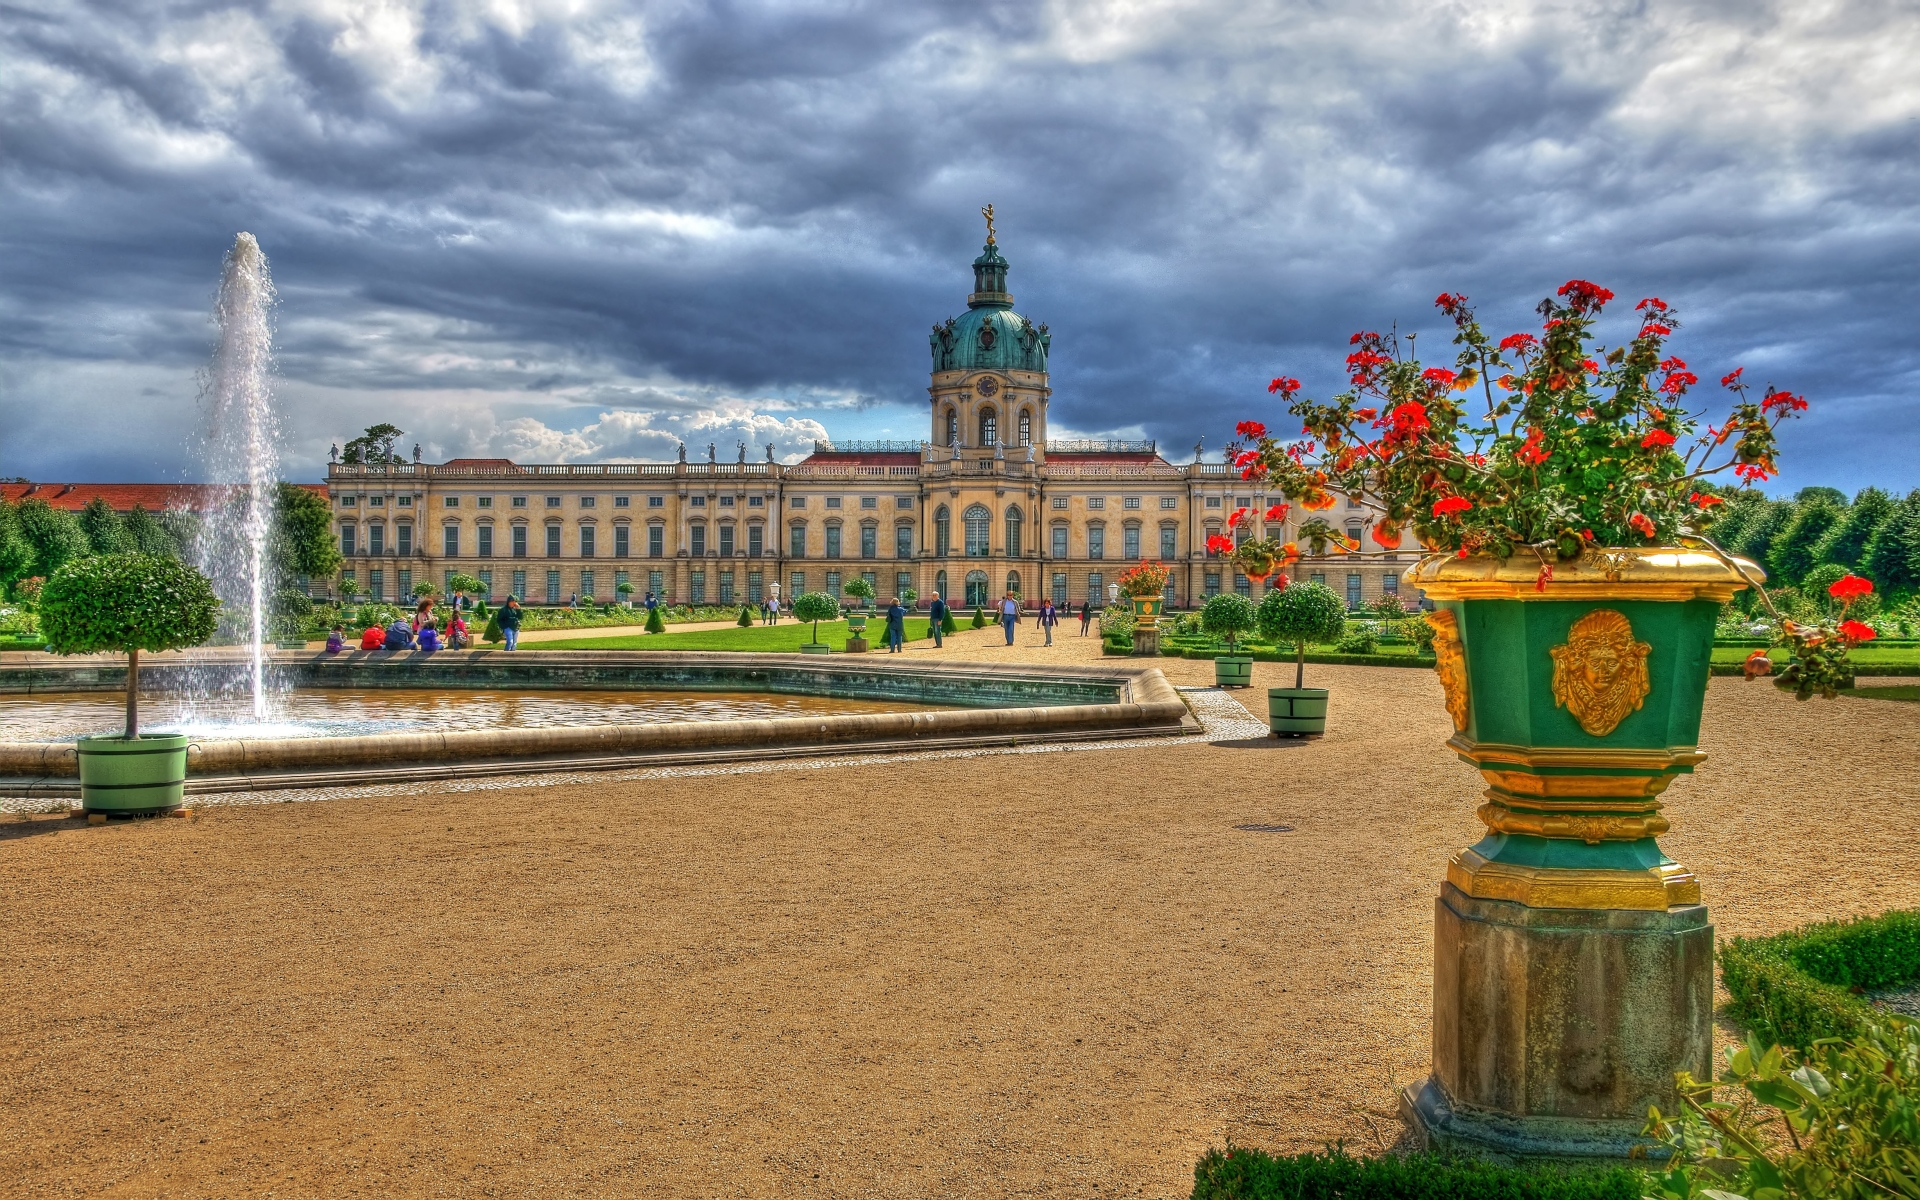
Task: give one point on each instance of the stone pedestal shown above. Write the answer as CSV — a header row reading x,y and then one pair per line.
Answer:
x,y
1554,1029
1146,642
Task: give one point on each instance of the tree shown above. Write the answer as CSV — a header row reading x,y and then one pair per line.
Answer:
x,y
149,536
16,556
746,617
859,589
129,603
816,607
1846,542
467,585
1756,537
374,447
1741,506
655,622
424,590
1227,616
1892,558
301,542
1298,614
106,532
54,535
1795,548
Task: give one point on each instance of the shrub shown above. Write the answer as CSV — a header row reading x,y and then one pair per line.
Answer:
x,y
1794,988
493,632
909,597
1359,640
1241,1174
816,607
468,584
1117,622
979,618
655,622
27,591
1227,616
424,589
129,603
859,589
947,623
1422,632
1298,614
746,617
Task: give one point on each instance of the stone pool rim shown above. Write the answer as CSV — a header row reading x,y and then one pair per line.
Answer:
x,y
1135,701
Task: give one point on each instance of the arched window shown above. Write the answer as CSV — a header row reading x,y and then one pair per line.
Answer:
x,y
979,524
1013,531
953,428
1026,428
940,586
1013,582
942,532
989,427
976,589
1354,531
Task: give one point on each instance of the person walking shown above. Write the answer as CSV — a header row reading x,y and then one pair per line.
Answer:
x,y
1049,617
896,626
1086,616
509,619
937,611
1009,615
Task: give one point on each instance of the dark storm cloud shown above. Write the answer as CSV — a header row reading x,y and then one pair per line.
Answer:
x,y
585,230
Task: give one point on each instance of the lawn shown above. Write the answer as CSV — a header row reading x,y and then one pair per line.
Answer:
x,y
1866,656
784,638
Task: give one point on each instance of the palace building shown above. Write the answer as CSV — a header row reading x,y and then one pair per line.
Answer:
x,y
987,504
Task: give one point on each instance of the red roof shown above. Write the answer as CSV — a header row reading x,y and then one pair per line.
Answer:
x,y
1144,458
870,458
154,497
480,462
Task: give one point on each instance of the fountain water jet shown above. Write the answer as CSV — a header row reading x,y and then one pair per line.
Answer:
x,y
242,434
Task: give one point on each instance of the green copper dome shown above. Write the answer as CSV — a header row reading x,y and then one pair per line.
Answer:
x,y
989,335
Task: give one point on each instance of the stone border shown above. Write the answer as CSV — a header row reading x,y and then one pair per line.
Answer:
x,y
1138,702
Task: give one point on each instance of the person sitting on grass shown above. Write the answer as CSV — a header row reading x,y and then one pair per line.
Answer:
x,y
399,635
336,640
374,638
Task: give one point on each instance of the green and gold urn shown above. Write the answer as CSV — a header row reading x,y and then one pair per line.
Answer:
x,y
1573,968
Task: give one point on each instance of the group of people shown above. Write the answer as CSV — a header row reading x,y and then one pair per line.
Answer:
x,y
425,631
1049,616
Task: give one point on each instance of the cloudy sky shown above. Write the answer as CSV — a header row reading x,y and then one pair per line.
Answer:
x,y
577,230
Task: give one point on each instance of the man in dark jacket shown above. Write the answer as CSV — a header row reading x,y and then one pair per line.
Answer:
x,y
509,619
938,611
399,635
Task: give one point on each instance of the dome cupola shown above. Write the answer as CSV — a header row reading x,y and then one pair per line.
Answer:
x,y
989,336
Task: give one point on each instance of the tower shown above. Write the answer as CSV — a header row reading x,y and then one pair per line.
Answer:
x,y
989,385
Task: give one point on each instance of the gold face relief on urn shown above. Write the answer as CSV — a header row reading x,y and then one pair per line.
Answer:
x,y
1450,663
1600,671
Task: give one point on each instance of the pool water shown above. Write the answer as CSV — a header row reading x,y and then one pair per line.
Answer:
x,y
56,716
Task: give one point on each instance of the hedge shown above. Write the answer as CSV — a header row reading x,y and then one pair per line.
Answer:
x,y
1240,1174
1795,988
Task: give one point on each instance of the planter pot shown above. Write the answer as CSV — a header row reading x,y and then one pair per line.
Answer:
x,y
856,623
1297,712
1566,938
1146,610
131,778
1233,670
815,648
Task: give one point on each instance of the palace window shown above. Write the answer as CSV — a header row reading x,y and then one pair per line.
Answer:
x,y
656,541
586,541
796,541
1096,542
903,541
403,539
1059,501
978,526
942,531
697,540
726,541
520,547
1013,533
833,541
1059,541
553,541
1026,429
756,540
953,428
1169,503
450,502
1169,541
989,427
485,535
622,541
1130,541
450,541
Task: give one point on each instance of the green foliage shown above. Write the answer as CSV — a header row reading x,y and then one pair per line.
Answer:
x,y
623,588
106,532
374,447
493,633
1849,1109
288,602
1794,551
816,607
1795,988
150,536
126,602
1423,633
979,618
655,622
1360,639
859,589
1241,1174
467,584
746,617
1757,534
1816,582
300,541
1892,555
53,535
1227,616
1846,542
422,589
947,623
349,588
1300,614
1118,622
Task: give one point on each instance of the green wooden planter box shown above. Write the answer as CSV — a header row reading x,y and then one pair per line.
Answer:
x,y
815,648
1297,712
131,778
1233,670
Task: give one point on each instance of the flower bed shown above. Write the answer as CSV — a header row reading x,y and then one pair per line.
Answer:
x,y
1237,1173
1797,987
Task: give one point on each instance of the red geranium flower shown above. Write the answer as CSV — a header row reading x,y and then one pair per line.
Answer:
x,y
1679,382
1278,512
1653,302
1519,342
1849,588
1251,429
1439,375
1702,500
1450,505
1238,518
1856,631
1581,294
1640,523
1732,378
1531,453
1754,472
1365,414
1219,545
1656,439
1449,303
1408,420
1284,386
1655,329
1784,401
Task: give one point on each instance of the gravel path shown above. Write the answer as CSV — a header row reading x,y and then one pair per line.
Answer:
x,y
980,974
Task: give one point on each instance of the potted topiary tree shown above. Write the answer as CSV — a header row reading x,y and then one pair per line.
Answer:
x,y
624,590
348,589
1145,587
1227,616
1576,588
129,603
860,590
1298,615
816,607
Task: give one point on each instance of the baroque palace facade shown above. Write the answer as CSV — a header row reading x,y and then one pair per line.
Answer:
x,y
985,506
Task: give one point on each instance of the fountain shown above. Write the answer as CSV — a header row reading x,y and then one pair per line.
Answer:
x,y
242,431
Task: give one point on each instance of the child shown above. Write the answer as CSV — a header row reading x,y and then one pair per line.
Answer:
x,y
374,638
429,637
458,638
336,640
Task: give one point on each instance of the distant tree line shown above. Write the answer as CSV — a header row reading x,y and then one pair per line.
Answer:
x,y
1813,539
37,539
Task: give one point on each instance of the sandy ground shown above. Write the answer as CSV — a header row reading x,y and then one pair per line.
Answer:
x,y
1058,974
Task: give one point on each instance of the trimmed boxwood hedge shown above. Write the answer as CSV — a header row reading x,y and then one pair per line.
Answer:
x,y
1797,987
1240,1174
